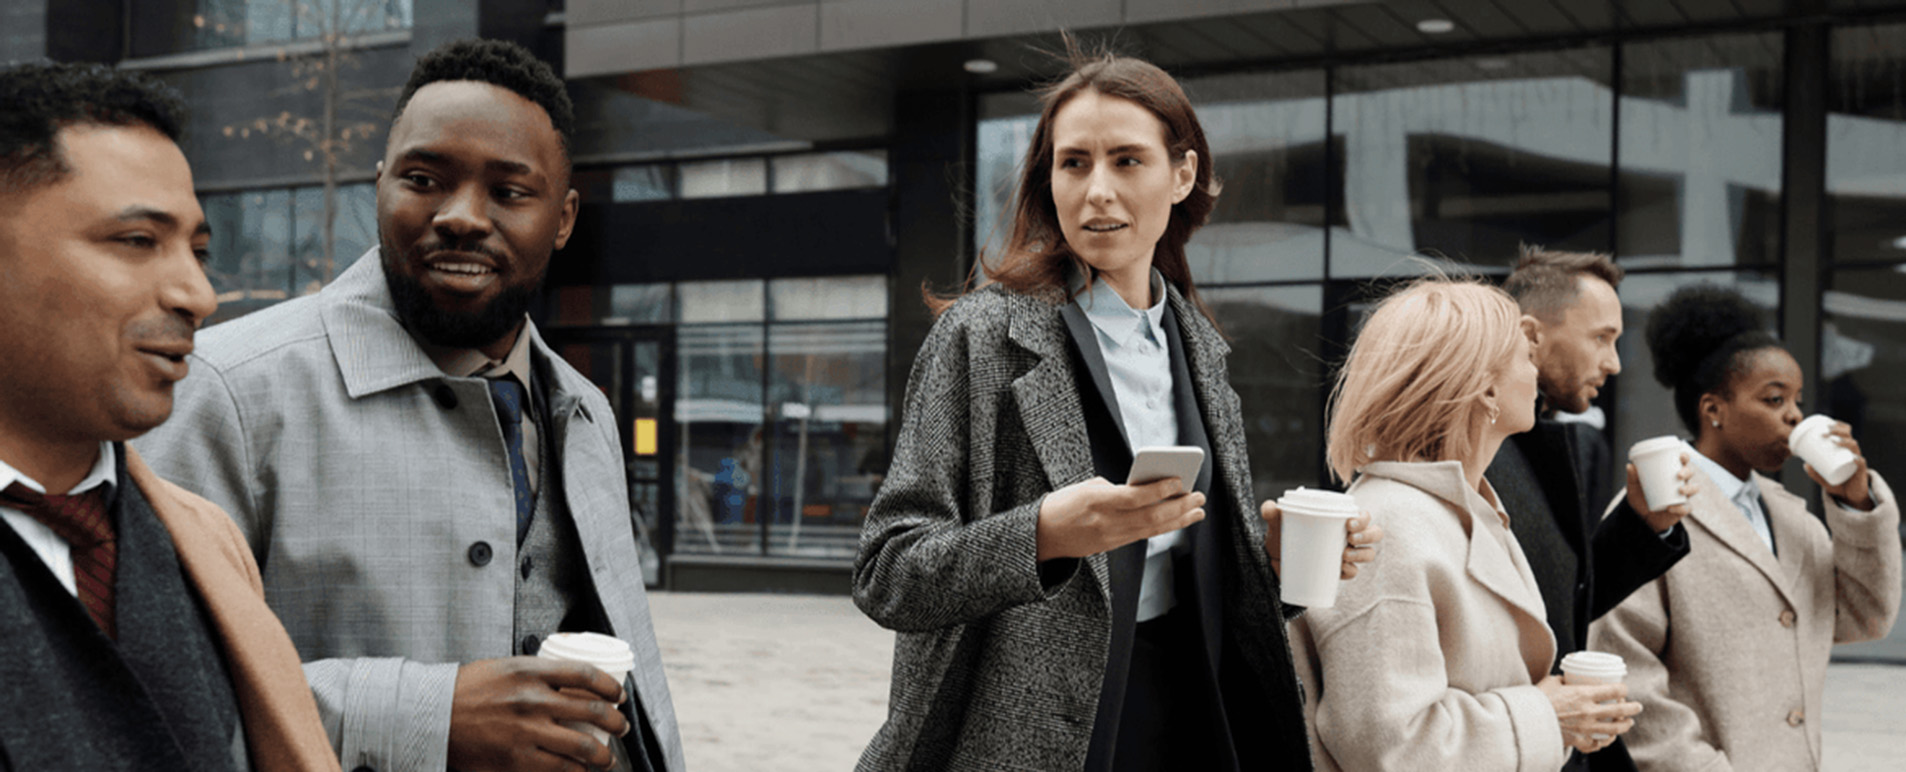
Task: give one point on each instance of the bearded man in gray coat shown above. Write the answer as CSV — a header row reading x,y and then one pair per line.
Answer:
x,y
429,490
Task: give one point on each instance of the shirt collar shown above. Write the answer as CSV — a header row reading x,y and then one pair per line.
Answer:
x,y
1113,317
1730,487
104,472
471,363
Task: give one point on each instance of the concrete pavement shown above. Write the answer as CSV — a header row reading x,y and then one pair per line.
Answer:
x,y
796,683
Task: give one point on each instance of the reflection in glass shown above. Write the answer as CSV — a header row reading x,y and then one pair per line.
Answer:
x,y
1863,363
1866,129
1643,407
832,297
1266,132
354,231
830,171
639,304
828,393
726,177
1278,375
1700,152
647,182
233,23
1470,157
250,263
718,409
721,301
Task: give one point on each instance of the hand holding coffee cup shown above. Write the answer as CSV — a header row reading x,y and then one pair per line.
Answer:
x,y
1316,538
1590,701
1361,535
1660,481
1833,459
504,714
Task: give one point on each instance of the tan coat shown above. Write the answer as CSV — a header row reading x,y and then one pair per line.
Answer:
x,y
1728,650
1429,658
281,717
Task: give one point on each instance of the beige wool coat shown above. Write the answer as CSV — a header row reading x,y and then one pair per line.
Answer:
x,y
1728,651
1429,658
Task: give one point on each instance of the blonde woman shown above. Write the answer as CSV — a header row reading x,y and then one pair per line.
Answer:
x,y
1438,658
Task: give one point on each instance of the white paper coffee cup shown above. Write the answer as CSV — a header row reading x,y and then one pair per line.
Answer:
x,y
609,654
1810,441
1583,668
1312,542
1658,460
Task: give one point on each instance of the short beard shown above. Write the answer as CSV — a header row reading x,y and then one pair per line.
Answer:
x,y
453,329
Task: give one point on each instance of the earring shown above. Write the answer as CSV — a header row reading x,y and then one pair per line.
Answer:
x,y
1717,424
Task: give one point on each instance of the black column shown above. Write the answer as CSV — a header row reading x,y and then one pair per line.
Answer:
x,y
1803,186
932,186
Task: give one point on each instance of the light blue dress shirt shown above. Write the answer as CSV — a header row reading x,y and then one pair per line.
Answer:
x,y
1139,364
1744,494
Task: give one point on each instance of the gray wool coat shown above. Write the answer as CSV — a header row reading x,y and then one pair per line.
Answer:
x,y
999,661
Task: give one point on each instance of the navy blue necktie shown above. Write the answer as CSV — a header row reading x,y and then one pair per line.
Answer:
x,y
508,396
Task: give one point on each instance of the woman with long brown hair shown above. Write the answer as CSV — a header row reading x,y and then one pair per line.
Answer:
x,y
1049,618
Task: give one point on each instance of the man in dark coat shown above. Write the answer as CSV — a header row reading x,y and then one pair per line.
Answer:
x,y
1584,563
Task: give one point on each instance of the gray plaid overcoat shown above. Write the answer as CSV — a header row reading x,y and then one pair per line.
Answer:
x,y
999,661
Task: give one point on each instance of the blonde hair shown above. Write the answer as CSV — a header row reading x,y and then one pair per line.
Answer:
x,y
1412,388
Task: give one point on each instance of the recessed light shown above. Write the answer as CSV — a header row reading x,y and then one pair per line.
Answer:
x,y
981,66
1435,26
1492,63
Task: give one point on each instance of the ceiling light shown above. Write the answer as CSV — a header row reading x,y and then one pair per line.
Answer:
x,y
1492,63
1435,26
981,66
1899,243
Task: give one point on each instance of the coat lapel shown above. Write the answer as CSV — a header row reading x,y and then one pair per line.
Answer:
x,y
1720,517
1788,517
1049,405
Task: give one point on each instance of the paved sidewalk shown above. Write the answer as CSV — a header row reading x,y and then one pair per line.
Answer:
x,y
796,683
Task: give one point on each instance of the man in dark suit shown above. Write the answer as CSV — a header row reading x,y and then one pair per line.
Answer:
x,y
1583,563
135,630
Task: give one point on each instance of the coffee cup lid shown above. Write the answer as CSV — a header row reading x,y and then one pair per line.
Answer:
x,y
1812,423
1653,445
604,651
1312,501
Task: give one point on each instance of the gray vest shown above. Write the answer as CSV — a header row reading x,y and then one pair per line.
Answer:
x,y
550,574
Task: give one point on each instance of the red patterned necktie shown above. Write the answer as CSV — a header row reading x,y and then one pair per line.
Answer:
x,y
82,520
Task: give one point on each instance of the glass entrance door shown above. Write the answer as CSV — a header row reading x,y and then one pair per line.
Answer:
x,y
634,367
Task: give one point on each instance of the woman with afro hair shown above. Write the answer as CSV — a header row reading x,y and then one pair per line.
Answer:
x,y
1728,650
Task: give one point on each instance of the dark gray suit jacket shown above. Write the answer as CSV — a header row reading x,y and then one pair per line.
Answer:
x,y
1000,660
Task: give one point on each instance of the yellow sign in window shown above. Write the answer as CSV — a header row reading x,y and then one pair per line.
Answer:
x,y
645,436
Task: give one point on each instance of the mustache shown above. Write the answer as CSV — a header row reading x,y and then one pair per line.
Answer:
x,y
164,330
424,249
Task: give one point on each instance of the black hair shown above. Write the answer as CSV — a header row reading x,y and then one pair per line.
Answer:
x,y
42,98
499,63
1701,337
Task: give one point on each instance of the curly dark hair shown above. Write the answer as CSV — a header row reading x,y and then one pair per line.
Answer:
x,y
1701,337
499,63
43,98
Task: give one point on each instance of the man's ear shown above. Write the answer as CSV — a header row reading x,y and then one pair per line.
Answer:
x,y
572,202
1533,328
379,174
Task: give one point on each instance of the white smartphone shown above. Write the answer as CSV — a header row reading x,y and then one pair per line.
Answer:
x,y
1159,462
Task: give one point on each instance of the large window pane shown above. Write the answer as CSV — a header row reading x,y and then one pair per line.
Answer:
x,y
1277,373
1700,151
1469,157
174,26
833,297
721,301
1266,133
1866,130
830,171
354,231
1644,408
829,395
718,409
727,177
647,182
251,263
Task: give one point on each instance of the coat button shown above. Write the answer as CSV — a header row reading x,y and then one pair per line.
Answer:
x,y
528,564
480,553
445,396
1796,718
1786,618
531,644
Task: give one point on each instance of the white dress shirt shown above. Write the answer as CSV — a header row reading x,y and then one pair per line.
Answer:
x,y
1743,493
1139,364
56,552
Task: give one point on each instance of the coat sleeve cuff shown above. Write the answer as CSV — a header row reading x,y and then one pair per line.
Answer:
x,y
386,714
1539,744
1865,528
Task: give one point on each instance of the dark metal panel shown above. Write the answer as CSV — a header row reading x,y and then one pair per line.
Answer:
x,y
1651,13
1241,37
1303,33
1541,17
1803,186
1482,18
1590,15
802,234
1383,26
